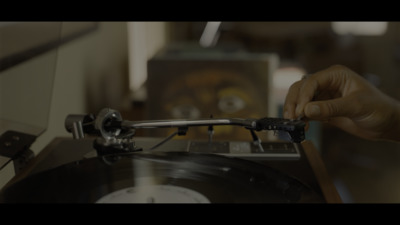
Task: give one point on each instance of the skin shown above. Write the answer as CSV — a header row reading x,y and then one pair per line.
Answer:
x,y
341,97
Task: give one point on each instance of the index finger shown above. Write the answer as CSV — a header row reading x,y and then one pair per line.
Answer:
x,y
332,79
291,100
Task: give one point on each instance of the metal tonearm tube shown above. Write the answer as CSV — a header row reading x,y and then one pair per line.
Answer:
x,y
117,133
247,123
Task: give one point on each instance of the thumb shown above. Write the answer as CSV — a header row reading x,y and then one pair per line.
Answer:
x,y
321,110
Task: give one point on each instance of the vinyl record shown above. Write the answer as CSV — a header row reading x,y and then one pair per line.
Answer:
x,y
174,177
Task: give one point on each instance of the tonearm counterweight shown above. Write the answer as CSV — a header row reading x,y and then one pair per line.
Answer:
x,y
115,134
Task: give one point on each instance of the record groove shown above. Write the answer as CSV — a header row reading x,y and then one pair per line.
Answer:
x,y
173,177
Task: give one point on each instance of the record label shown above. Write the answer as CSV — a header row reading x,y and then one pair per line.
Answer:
x,y
154,194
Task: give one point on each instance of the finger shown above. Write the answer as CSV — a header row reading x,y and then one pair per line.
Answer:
x,y
324,110
332,79
291,100
305,94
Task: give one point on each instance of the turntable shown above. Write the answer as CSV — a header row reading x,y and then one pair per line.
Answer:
x,y
105,163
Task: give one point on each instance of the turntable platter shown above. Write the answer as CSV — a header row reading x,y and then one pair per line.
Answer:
x,y
162,177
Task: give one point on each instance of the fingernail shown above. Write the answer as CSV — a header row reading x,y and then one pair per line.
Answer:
x,y
314,110
298,111
286,115
300,117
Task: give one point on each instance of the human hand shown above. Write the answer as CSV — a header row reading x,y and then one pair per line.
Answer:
x,y
341,97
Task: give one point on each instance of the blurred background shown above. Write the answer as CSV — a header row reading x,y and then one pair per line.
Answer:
x,y
164,70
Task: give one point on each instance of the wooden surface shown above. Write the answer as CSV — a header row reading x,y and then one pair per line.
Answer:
x,y
328,188
35,161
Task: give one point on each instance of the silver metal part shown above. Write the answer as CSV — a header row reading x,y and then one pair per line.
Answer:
x,y
104,116
77,130
248,123
74,124
4,161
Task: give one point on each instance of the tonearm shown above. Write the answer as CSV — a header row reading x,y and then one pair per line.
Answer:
x,y
116,134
